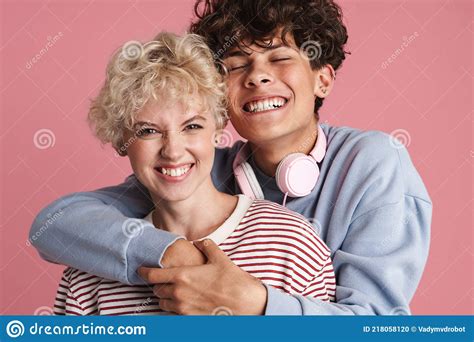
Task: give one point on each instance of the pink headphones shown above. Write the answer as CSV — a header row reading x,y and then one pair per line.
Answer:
x,y
296,174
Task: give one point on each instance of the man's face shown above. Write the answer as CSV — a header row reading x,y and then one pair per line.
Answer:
x,y
172,150
271,91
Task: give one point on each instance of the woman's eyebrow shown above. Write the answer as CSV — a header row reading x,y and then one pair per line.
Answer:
x,y
144,123
148,123
194,118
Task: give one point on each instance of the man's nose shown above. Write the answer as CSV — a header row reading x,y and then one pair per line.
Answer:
x,y
258,75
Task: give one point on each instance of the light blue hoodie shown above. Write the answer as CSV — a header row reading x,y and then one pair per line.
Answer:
x,y
369,205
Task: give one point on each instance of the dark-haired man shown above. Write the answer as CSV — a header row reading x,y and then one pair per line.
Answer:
x,y
369,202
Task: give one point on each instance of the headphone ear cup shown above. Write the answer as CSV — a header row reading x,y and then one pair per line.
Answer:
x,y
297,174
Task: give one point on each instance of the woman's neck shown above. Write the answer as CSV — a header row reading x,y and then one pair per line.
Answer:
x,y
267,156
197,216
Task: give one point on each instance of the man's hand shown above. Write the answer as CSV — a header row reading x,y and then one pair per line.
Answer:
x,y
182,253
218,287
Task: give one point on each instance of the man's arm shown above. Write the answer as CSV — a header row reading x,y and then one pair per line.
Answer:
x,y
381,260
378,266
93,232
374,275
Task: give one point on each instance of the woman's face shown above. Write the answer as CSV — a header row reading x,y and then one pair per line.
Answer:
x,y
171,150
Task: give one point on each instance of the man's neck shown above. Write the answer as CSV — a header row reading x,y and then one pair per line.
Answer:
x,y
268,155
197,216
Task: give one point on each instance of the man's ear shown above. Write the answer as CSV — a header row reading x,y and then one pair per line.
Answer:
x,y
324,80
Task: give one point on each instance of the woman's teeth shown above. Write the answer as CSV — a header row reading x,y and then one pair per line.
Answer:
x,y
259,106
174,172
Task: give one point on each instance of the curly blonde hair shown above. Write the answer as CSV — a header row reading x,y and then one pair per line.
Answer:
x,y
170,68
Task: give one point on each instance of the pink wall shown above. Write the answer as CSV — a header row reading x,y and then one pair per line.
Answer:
x,y
426,91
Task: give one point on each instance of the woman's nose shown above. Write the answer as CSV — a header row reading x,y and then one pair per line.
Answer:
x,y
172,146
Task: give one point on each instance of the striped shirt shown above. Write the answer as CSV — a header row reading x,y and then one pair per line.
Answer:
x,y
266,240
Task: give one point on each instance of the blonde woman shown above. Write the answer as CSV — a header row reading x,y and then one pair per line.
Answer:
x,y
163,108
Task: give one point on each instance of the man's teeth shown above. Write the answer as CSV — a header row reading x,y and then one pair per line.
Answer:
x,y
175,172
258,106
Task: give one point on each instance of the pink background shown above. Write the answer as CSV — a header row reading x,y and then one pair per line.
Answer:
x,y
426,91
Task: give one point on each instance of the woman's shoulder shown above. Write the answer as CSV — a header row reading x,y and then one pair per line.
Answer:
x,y
289,224
76,278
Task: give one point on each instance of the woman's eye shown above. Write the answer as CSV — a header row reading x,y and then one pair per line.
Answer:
x,y
192,127
144,132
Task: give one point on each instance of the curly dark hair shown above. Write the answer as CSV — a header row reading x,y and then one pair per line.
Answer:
x,y
228,23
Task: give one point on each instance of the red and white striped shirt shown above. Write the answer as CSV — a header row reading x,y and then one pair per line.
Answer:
x,y
268,241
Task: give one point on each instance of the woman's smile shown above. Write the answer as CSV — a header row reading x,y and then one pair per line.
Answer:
x,y
174,174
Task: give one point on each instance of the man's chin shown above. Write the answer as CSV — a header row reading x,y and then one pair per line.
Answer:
x,y
266,137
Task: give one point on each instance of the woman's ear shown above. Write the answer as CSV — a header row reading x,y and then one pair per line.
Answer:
x,y
121,151
324,81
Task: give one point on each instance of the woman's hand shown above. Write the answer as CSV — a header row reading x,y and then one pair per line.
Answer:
x,y
217,287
